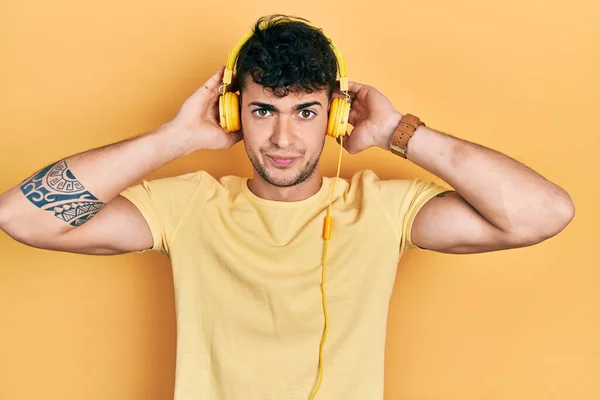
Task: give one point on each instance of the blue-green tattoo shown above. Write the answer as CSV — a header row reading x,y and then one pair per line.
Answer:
x,y
55,189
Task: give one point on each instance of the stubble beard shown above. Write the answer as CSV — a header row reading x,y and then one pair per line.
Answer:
x,y
305,172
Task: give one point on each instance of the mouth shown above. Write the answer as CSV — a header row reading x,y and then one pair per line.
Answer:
x,y
281,160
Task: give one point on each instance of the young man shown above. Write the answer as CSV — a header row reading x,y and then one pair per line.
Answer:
x,y
247,253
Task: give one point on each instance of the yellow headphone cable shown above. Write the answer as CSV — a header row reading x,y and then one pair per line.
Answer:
x,y
229,120
326,235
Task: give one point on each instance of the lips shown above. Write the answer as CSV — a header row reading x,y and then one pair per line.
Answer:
x,y
280,160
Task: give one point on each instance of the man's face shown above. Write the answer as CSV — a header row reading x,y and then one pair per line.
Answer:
x,y
284,137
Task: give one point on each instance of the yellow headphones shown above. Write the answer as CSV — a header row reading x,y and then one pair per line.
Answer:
x,y
337,123
229,104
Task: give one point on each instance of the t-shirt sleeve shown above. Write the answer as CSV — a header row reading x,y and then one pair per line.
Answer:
x,y
162,203
418,194
404,199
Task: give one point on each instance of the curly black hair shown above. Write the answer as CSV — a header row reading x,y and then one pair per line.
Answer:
x,y
287,56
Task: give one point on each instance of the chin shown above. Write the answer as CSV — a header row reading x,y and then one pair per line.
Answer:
x,y
277,177
285,177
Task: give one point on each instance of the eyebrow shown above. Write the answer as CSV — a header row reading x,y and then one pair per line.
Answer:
x,y
270,107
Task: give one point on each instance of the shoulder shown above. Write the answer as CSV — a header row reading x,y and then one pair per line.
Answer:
x,y
170,192
188,180
367,180
196,179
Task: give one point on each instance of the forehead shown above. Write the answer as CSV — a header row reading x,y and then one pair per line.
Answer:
x,y
255,92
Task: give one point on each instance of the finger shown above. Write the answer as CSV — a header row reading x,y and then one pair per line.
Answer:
x,y
345,139
349,144
211,85
353,116
354,86
345,143
340,94
234,137
215,81
214,112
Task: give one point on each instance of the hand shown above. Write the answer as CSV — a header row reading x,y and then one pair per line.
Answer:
x,y
198,117
373,117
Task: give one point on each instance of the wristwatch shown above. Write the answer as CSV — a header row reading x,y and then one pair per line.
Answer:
x,y
405,130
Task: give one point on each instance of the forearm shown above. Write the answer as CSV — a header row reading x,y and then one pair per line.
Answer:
x,y
69,192
510,195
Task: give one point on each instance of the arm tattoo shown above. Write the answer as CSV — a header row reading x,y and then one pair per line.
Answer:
x,y
55,189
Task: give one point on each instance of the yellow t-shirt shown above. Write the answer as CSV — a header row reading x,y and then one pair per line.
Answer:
x,y
247,272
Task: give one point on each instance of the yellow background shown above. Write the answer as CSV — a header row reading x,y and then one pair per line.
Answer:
x,y
521,77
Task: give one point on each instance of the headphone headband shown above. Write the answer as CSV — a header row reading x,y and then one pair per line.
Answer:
x,y
233,53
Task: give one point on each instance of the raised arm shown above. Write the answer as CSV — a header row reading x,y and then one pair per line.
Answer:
x,y
498,203
55,207
74,204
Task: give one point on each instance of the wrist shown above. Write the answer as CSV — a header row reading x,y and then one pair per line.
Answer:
x,y
403,134
388,127
174,140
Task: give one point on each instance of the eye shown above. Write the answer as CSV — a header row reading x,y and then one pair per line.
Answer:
x,y
261,112
307,114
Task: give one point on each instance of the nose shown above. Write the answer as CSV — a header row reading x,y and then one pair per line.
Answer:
x,y
283,135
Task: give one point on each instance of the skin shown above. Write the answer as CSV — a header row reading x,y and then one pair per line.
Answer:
x,y
497,202
277,127
494,209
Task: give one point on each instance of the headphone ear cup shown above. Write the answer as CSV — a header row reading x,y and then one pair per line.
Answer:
x,y
338,117
229,111
333,115
345,113
233,112
222,115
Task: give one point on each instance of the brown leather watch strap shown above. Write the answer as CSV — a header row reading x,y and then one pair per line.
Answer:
x,y
405,130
